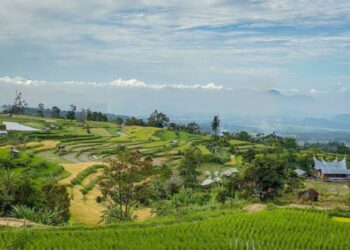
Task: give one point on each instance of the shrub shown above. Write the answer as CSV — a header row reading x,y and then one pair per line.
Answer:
x,y
24,212
56,198
173,184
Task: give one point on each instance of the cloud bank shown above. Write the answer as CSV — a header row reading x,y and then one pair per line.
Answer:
x,y
134,97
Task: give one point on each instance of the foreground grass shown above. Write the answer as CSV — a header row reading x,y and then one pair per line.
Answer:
x,y
276,229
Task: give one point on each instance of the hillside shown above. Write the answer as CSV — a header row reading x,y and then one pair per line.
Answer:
x,y
207,208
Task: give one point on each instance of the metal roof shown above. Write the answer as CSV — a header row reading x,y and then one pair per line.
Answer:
x,y
299,171
207,182
332,167
229,172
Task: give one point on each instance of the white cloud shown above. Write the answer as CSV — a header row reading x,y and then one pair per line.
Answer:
x,y
132,83
119,83
21,81
317,91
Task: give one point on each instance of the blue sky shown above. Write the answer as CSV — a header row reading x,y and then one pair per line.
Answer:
x,y
297,46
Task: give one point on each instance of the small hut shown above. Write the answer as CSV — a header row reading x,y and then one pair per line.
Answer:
x,y
229,172
300,172
14,153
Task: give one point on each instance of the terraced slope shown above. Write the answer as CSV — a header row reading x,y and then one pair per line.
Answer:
x,y
266,230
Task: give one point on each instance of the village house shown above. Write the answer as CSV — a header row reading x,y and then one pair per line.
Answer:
x,y
217,177
332,170
15,153
300,172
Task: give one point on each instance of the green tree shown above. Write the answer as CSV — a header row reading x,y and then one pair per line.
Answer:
x,y
40,110
289,143
249,155
231,185
133,121
215,125
15,189
267,176
55,112
19,104
293,181
56,198
82,116
189,165
158,119
193,128
243,136
120,184
119,120
71,112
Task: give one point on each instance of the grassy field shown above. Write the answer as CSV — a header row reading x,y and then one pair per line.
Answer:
x,y
225,229
34,167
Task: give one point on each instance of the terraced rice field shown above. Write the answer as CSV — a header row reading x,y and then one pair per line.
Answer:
x,y
264,230
83,189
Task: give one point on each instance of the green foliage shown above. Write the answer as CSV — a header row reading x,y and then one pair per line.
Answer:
x,y
56,200
71,113
33,167
158,119
134,122
249,155
24,212
215,125
122,181
267,175
173,184
182,202
43,216
96,116
15,189
188,168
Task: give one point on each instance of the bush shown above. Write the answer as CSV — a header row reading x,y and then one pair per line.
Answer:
x,y
56,199
201,198
43,216
24,212
173,184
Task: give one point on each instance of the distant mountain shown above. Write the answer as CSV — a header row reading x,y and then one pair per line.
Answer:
x,y
342,118
324,123
274,92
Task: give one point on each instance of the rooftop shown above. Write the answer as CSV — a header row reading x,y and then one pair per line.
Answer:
x,y
331,167
299,171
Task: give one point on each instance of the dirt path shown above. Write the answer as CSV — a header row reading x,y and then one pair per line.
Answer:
x,y
13,222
